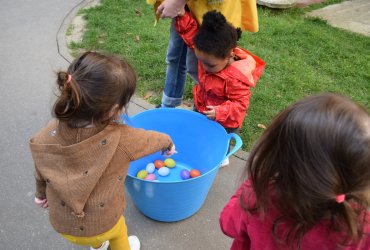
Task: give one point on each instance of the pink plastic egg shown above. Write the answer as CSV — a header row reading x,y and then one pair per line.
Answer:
x,y
150,177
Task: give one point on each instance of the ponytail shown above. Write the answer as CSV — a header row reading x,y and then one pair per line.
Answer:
x,y
91,86
69,101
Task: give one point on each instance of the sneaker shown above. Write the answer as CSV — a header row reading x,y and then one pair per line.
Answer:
x,y
103,246
134,242
225,163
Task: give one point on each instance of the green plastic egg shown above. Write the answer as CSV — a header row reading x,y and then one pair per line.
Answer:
x,y
170,163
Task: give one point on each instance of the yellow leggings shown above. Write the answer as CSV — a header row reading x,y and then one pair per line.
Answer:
x,y
117,237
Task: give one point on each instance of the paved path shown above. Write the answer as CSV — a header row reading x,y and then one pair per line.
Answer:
x,y
349,15
29,56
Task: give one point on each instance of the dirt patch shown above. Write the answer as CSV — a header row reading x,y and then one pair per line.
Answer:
x,y
77,27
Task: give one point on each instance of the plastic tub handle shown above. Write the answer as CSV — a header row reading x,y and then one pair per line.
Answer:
x,y
237,146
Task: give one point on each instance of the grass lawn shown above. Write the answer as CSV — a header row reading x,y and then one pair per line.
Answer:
x,y
302,55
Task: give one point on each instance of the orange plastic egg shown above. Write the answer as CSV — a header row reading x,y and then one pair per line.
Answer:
x,y
194,173
158,164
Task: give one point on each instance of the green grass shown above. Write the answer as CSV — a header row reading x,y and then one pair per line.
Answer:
x,y
303,56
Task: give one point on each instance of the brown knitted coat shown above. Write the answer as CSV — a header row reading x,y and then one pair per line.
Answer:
x,y
81,172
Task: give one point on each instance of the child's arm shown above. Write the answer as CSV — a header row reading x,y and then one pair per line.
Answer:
x,y
234,220
40,196
187,27
237,91
138,143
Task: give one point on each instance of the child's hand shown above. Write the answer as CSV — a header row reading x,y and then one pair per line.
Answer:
x,y
181,12
211,113
41,202
170,151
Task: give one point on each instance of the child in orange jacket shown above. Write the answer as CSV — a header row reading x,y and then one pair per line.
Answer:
x,y
226,72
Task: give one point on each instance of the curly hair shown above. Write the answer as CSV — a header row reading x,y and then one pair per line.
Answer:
x,y
216,36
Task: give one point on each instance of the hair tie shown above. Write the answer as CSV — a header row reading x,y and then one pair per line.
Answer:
x,y
69,78
340,198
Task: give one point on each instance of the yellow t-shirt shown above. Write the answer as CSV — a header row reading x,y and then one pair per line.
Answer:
x,y
240,13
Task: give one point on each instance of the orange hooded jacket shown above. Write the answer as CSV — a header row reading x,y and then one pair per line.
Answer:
x,y
229,89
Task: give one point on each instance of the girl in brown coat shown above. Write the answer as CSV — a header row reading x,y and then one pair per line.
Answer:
x,y
82,157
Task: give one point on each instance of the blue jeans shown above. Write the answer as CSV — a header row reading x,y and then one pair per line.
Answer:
x,y
180,60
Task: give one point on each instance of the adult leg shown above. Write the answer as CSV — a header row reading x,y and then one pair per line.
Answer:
x,y
192,65
176,70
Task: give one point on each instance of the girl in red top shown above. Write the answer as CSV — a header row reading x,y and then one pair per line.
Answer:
x,y
226,72
308,183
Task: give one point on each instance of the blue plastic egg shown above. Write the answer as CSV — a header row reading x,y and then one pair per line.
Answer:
x,y
185,174
150,168
163,171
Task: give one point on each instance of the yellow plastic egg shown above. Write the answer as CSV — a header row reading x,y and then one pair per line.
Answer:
x,y
142,174
170,163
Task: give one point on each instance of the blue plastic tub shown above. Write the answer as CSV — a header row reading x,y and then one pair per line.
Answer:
x,y
201,144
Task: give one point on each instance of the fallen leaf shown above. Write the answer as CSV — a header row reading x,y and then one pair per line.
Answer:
x,y
101,38
261,126
137,12
137,39
148,94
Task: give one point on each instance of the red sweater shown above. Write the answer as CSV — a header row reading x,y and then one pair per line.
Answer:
x,y
227,90
249,231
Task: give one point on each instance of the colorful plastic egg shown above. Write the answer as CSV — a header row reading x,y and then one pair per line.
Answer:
x,y
150,177
159,164
194,173
150,168
163,171
170,163
142,174
185,174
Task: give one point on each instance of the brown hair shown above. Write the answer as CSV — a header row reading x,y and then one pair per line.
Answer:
x,y
92,85
313,151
